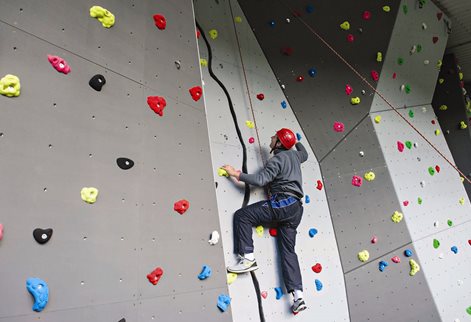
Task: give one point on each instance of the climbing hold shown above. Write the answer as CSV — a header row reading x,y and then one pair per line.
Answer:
x,y
213,33
299,78
272,23
421,3
104,16
400,146
408,253
196,93
414,267
181,206
439,15
42,236
312,72
283,104
288,20
400,61
461,201
251,140
377,119
416,145
434,39
437,132
350,38
422,184
213,238
160,21
369,176
287,51
374,240
59,64
238,19
463,125
405,203
1,231
203,62
345,25
313,232
394,75
264,294
339,127
97,82
361,153
413,49
89,195
411,113
223,173
382,265
419,200
223,302
468,310
319,285
273,232
437,168
206,272
366,15
319,185
379,56
454,249
279,293
405,9
125,163
260,96
396,259
10,86
231,277
436,223
439,63
408,144
357,181
374,75
309,8
307,199
449,222
317,268
436,243
155,275
431,171
259,230
443,107
298,137
397,217
386,8
198,33
364,255
250,124
407,89
40,292
157,104
355,100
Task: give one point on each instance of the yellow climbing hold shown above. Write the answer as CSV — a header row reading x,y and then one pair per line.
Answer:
x,y
386,8
238,19
213,33
443,107
250,124
462,179
439,63
203,62
222,173
463,125
355,100
461,201
379,56
441,80
231,277
104,16
461,75
377,119
437,132
397,217
259,230
10,86
345,25
363,256
89,195
370,176
414,267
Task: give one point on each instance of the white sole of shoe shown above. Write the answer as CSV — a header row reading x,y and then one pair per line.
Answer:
x,y
250,269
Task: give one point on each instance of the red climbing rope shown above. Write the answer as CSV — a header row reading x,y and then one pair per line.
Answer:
x,y
373,88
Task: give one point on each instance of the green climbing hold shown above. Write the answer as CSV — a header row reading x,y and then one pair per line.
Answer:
x,y
411,112
431,171
400,61
405,9
419,48
436,243
408,144
469,310
407,90
450,223
419,201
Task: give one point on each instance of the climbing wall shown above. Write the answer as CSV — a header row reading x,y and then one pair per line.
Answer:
x,y
269,114
60,135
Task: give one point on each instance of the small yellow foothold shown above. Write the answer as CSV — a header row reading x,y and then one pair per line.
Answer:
x,y
462,179
439,63
222,173
89,195
377,119
104,16
461,75
461,201
463,125
238,19
345,25
397,217
213,33
437,132
370,176
259,230
386,8
203,62
414,267
379,56
10,86
441,80
250,124
363,256
355,100
443,107
231,277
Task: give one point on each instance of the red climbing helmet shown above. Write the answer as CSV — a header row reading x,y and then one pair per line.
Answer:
x,y
286,137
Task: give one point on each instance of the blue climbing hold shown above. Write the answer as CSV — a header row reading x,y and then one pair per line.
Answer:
x,y
279,293
383,265
307,199
312,232
309,8
454,249
283,104
298,136
223,302
205,272
39,290
319,285
272,23
312,72
408,253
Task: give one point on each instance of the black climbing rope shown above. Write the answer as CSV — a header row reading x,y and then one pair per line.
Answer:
x,y
244,155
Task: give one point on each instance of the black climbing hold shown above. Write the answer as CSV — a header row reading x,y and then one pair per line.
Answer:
x,y
42,236
125,163
216,184
122,320
97,82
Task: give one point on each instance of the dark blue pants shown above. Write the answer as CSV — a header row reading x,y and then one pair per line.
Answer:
x,y
286,216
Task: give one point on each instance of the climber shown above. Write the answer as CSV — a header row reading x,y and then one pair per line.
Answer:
x,y
284,210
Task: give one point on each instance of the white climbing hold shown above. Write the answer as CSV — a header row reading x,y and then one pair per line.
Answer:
x,y
426,62
436,224
214,238
424,26
441,256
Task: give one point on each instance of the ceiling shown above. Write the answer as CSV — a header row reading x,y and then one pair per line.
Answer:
x,y
459,42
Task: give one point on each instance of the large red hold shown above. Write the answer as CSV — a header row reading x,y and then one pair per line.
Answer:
x,y
160,21
196,93
273,232
319,185
317,268
181,206
157,104
155,275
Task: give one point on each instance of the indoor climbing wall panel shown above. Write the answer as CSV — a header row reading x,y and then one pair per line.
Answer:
x,y
60,135
330,302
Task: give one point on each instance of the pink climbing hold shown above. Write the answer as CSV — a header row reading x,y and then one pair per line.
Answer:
x,y
357,181
181,206
251,140
350,38
339,127
59,64
157,104
196,93
260,97
264,294
366,15
319,185
400,146
405,203
1,231
396,259
160,21
348,89
375,75
374,240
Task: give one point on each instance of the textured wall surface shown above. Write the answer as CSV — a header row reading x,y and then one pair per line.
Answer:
x,y
60,135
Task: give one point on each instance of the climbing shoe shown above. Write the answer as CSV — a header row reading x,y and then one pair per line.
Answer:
x,y
298,306
243,266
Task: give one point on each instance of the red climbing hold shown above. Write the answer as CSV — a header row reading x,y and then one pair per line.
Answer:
x,y
394,76
435,39
317,268
155,275
348,89
319,185
157,104
350,38
366,15
160,21
437,168
400,146
433,121
396,259
357,181
375,75
439,15
288,51
405,203
260,96
264,294
469,242
299,78
198,33
273,232
196,93
181,206
251,140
